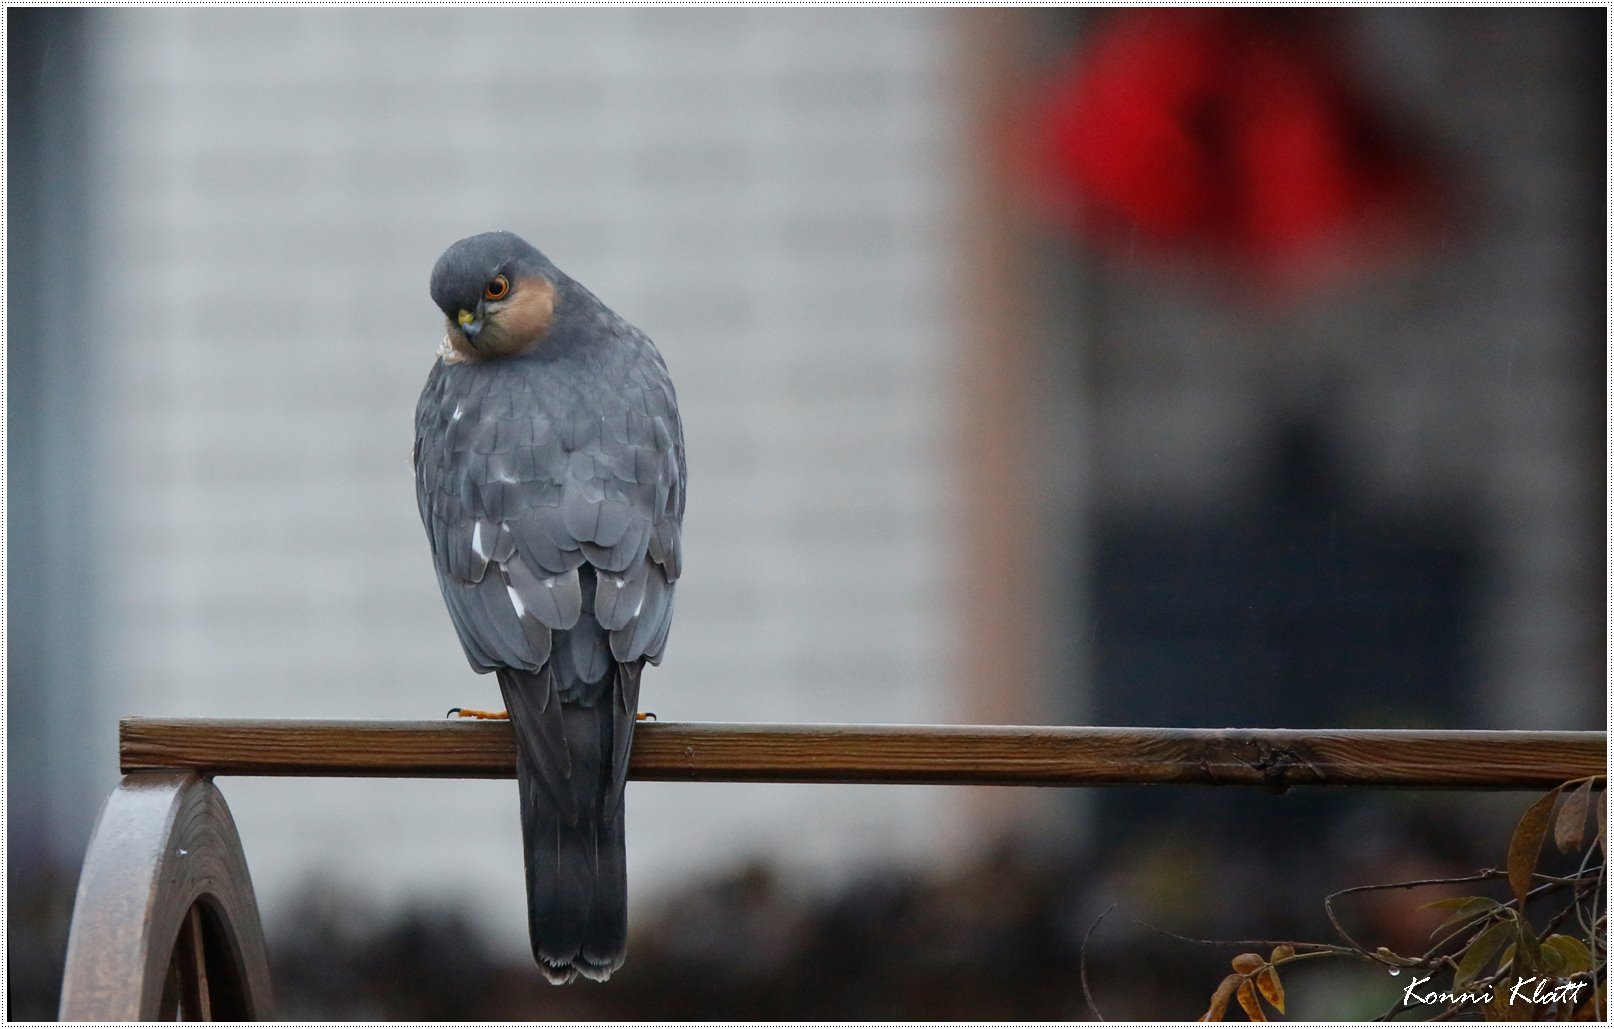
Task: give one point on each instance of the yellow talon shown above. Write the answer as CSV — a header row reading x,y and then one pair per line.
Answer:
x,y
471,712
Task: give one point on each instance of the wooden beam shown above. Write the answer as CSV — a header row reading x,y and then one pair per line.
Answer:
x,y
926,754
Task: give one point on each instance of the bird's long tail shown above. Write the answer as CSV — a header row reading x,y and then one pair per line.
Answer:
x,y
572,744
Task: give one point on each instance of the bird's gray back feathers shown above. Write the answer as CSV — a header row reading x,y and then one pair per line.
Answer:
x,y
529,468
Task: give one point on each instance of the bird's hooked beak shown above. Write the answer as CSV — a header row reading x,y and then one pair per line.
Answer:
x,y
469,324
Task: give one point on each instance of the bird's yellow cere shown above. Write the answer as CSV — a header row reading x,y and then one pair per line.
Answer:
x,y
466,317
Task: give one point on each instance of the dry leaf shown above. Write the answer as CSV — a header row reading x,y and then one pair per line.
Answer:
x,y
1592,1010
1282,952
1271,988
1552,961
1248,1001
1569,953
1479,952
1467,908
1602,825
1525,847
1247,963
1496,1009
1219,999
1569,831
1527,958
1504,1007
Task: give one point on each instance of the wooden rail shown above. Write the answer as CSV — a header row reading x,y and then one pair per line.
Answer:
x,y
933,754
166,925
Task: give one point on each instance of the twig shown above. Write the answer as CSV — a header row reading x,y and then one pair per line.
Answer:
x,y
1549,884
1315,949
1087,991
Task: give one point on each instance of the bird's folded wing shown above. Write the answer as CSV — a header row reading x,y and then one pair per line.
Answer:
x,y
517,492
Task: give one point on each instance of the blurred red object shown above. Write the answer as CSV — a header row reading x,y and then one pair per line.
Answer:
x,y
1233,135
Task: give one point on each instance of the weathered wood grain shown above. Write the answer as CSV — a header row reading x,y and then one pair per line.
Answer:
x,y
928,754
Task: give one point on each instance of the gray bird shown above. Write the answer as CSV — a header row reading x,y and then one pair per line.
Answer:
x,y
549,469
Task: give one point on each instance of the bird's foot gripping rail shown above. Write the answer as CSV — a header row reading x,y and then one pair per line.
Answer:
x,y
166,925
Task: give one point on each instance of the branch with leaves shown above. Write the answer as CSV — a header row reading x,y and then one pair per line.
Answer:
x,y
1252,975
1488,959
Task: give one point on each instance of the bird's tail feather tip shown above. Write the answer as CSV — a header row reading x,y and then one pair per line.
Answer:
x,y
560,973
599,974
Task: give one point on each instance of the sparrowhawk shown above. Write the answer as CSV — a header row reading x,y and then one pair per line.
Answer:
x,y
549,470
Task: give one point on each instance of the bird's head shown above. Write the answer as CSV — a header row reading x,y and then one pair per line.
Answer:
x,y
498,293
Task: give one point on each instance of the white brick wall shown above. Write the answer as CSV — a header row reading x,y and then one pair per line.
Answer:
x,y
768,193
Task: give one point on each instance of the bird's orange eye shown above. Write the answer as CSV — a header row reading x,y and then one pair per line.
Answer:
x,y
497,288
